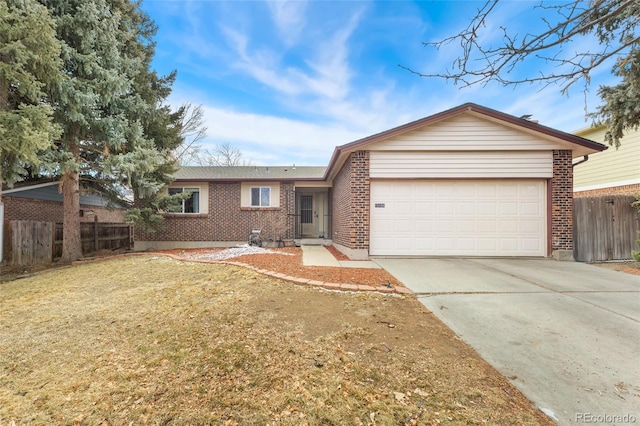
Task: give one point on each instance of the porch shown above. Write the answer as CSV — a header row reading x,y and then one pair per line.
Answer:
x,y
312,216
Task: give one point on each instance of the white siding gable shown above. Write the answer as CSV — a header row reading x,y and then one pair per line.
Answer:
x,y
467,132
465,146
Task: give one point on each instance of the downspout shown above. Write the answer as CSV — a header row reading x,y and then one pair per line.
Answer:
x,y
584,160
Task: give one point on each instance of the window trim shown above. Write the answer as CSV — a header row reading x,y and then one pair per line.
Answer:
x,y
193,189
260,196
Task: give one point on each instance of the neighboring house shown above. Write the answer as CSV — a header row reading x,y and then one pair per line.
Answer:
x,y
612,172
42,202
469,181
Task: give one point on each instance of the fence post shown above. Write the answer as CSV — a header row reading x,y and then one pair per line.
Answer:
x,y
95,233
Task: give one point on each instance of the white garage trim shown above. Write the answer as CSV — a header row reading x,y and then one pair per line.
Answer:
x,y
460,165
488,217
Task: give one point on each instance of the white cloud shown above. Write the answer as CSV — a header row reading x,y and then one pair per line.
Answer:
x,y
268,139
327,74
289,18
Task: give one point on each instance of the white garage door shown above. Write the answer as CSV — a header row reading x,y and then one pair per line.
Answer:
x,y
458,218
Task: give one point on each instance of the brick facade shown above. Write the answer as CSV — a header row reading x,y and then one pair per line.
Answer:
x,y
340,208
614,190
351,195
562,201
226,220
19,208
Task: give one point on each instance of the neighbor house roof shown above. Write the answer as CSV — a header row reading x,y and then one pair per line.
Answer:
x,y
262,173
582,146
49,191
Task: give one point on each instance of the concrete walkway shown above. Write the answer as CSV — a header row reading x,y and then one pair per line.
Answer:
x,y
567,334
320,256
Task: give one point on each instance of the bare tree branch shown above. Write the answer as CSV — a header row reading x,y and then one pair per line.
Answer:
x,y
478,64
193,130
222,155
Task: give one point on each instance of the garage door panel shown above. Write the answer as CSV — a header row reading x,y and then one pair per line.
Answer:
x,y
466,226
424,208
464,243
462,218
507,190
508,208
445,226
424,243
403,226
487,191
509,244
465,192
530,209
444,244
507,227
487,209
425,226
466,209
531,245
531,227
487,245
444,208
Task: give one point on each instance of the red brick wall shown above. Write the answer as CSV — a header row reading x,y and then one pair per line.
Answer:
x,y
226,220
17,208
615,190
360,196
562,201
340,208
351,195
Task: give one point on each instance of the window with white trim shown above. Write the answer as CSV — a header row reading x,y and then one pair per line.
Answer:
x,y
261,196
191,204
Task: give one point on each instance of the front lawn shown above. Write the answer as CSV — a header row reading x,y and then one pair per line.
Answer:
x,y
153,340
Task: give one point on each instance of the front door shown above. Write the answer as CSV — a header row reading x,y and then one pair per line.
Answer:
x,y
307,216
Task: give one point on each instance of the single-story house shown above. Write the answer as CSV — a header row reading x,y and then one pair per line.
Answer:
x,y
469,181
615,171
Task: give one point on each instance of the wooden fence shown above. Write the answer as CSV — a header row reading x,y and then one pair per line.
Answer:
x,y
604,228
31,242
41,242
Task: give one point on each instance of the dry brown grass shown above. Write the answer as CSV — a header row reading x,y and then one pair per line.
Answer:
x,y
152,340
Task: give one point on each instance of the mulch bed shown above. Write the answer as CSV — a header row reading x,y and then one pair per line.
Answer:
x,y
288,261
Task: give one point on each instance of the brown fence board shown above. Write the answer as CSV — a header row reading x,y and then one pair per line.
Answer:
x,y
605,228
31,242
41,242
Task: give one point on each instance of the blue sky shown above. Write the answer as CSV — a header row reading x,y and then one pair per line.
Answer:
x,y
285,82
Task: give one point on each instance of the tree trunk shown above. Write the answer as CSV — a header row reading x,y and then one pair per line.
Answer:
x,y
71,243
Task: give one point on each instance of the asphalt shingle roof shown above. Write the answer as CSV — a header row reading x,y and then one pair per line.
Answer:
x,y
249,172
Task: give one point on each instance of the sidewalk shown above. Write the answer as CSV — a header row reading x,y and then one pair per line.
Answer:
x,y
320,256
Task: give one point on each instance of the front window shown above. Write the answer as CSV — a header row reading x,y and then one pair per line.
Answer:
x,y
191,204
261,196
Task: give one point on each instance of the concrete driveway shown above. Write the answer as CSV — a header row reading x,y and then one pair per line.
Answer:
x,y
566,334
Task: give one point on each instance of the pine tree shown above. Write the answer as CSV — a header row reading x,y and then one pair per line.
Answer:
x,y
29,67
108,105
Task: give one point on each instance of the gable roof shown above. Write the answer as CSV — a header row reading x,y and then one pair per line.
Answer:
x,y
579,145
245,173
